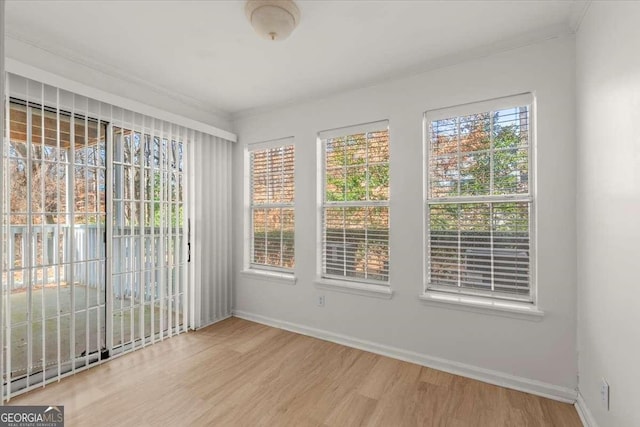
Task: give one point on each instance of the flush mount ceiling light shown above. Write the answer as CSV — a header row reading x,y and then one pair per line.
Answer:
x,y
273,19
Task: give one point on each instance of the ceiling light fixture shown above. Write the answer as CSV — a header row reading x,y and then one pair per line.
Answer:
x,y
273,19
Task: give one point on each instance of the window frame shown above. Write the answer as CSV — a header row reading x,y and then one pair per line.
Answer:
x,y
475,296
252,269
356,285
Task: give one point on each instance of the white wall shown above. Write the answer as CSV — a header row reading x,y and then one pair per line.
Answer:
x,y
543,351
608,89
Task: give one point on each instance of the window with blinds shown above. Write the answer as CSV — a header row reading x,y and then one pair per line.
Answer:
x,y
355,203
272,207
479,201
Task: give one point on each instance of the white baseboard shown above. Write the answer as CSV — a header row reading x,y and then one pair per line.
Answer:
x,y
584,413
538,388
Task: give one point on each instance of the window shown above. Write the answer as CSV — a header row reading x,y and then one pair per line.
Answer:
x,y
479,201
355,203
271,204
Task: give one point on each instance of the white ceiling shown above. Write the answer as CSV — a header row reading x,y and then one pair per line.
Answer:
x,y
207,52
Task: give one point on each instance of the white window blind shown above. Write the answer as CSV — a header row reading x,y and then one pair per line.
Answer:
x,y
272,207
479,201
355,203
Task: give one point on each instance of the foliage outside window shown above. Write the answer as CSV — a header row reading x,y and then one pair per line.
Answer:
x,y
355,208
479,201
147,169
272,208
48,152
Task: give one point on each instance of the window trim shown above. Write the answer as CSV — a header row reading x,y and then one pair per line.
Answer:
x,y
355,285
369,289
506,308
250,269
478,298
270,276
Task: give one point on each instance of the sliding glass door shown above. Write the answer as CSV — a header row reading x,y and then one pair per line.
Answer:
x,y
93,233
54,242
148,252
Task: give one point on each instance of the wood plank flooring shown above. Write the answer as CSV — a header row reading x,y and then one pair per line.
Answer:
x,y
239,373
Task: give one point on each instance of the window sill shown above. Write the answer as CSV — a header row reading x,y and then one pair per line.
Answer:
x,y
357,288
505,308
270,276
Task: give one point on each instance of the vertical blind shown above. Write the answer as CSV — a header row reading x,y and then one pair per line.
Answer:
x,y
147,245
54,224
272,206
211,244
355,206
95,222
479,201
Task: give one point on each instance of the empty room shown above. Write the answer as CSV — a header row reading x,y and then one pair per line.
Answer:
x,y
320,213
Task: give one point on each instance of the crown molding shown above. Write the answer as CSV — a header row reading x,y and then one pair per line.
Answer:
x,y
578,11
122,75
556,31
46,77
531,38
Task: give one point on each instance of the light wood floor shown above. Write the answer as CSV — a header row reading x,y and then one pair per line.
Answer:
x,y
239,373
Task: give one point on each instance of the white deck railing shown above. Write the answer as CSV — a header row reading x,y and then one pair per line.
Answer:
x,y
60,254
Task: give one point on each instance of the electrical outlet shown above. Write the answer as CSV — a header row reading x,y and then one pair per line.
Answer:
x,y
604,394
321,301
